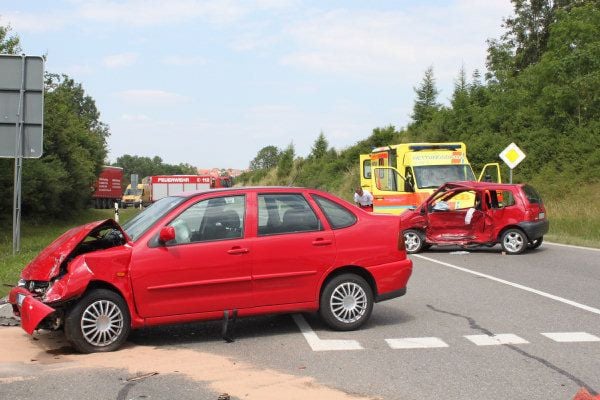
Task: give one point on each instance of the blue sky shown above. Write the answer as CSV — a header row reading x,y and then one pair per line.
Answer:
x,y
210,83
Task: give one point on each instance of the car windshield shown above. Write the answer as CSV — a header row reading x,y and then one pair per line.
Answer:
x,y
132,192
432,176
136,226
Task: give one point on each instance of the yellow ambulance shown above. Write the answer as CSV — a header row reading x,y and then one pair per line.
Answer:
x,y
402,176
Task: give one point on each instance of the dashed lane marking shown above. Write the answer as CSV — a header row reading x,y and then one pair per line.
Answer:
x,y
494,340
516,285
317,344
571,337
416,343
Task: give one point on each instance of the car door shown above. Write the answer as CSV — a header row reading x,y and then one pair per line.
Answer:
x,y
291,251
205,268
455,217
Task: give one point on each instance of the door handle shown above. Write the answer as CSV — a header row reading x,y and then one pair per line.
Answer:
x,y
378,197
321,242
238,250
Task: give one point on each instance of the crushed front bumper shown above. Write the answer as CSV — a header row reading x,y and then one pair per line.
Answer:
x,y
31,310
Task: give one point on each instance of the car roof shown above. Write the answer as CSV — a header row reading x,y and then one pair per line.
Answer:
x,y
278,189
481,185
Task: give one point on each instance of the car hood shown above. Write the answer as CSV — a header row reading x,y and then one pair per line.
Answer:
x,y
47,264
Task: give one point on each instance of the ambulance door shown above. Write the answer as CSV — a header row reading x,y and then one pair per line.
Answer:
x,y
388,192
490,173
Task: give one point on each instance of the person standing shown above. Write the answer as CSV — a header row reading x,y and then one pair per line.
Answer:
x,y
363,198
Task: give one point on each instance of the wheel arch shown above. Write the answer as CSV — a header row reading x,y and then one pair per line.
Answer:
x,y
353,269
501,232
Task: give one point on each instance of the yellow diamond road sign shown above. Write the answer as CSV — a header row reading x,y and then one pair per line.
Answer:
x,y
512,155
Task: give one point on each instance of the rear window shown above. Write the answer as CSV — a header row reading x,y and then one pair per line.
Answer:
x,y
338,216
532,195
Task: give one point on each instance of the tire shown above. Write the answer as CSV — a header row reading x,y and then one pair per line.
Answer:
x,y
346,302
534,244
514,241
107,322
414,241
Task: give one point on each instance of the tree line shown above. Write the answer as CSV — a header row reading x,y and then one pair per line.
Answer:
x,y
541,91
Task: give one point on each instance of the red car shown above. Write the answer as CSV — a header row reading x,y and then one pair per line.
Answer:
x,y
210,255
478,213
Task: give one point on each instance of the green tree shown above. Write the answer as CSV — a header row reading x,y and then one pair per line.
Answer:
x,y
8,44
146,166
266,158
426,102
319,149
59,183
286,161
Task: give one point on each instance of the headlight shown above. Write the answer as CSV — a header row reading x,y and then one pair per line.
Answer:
x,y
22,283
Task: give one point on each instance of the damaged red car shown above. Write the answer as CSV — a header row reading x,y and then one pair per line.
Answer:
x,y
478,213
213,255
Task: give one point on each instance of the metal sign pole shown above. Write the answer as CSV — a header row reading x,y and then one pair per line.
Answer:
x,y
18,165
511,176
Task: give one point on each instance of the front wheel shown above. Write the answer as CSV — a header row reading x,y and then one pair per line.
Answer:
x,y
414,241
98,322
514,241
346,302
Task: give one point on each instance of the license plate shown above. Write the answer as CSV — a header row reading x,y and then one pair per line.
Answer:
x,y
20,299
541,215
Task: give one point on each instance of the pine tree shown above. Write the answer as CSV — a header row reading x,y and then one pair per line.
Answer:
x,y
425,104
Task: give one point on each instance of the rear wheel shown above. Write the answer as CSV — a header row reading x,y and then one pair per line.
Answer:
x,y
414,241
346,302
534,244
98,322
514,241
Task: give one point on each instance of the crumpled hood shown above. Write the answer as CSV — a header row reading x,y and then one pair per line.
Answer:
x,y
47,264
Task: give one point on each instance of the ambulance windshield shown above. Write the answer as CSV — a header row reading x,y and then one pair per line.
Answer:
x,y
432,176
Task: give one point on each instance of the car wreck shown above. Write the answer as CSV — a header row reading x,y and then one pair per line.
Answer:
x,y
213,255
475,214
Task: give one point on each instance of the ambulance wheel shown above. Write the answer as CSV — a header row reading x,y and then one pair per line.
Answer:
x,y
414,241
98,322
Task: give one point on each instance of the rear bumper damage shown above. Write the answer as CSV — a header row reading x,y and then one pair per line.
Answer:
x,y
31,311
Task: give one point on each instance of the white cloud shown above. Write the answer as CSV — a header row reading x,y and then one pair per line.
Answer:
x,y
184,61
150,96
27,22
160,12
120,60
135,117
396,45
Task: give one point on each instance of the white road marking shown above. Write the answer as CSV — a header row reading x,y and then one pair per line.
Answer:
x,y
571,246
494,340
516,285
317,344
416,343
571,337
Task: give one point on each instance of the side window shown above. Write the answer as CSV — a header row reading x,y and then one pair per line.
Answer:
x,y
367,169
387,180
212,219
505,198
285,213
338,216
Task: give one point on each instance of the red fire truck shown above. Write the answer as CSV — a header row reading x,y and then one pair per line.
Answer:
x,y
108,188
159,186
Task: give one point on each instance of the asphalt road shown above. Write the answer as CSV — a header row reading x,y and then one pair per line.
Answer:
x,y
472,325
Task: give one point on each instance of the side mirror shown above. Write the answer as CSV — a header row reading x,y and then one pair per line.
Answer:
x,y
422,211
167,233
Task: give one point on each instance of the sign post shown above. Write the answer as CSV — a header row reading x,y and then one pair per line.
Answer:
x,y
512,155
21,120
